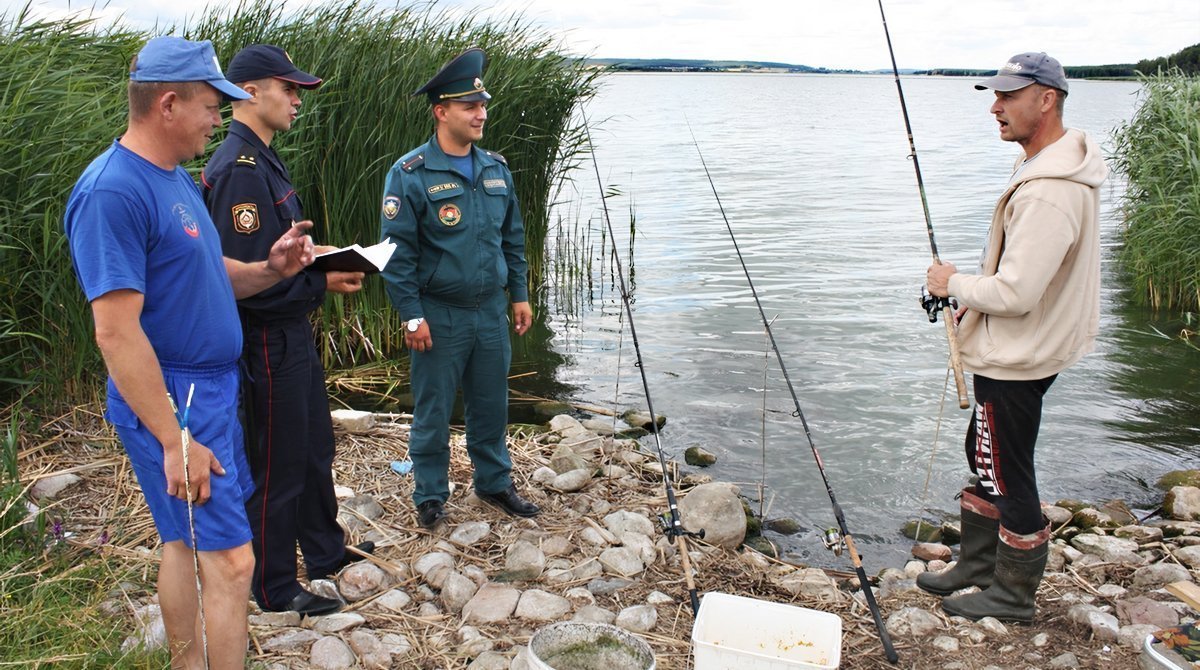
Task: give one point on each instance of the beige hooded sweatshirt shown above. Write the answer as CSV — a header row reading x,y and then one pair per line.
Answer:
x,y
1035,308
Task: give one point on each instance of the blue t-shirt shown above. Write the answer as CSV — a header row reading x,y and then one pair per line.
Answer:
x,y
464,164
133,225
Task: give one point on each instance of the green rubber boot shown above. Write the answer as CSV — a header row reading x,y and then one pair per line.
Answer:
x,y
977,556
1020,563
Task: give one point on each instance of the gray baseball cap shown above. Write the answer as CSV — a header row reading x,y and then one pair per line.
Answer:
x,y
1025,69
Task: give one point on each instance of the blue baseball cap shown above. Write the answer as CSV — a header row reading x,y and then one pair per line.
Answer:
x,y
174,59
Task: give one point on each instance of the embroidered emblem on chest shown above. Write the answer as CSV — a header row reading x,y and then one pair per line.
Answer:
x,y
391,207
185,217
450,215
438,188
245,218
494,183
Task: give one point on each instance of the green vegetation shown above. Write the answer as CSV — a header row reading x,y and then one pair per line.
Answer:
x,y
1187,61
1159,152
63,103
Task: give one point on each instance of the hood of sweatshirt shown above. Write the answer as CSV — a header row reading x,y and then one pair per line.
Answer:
x,y
1075,157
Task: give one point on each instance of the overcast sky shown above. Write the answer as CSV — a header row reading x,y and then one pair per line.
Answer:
x,y
819,33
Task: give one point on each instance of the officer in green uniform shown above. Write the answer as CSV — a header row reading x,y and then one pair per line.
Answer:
x,y
451,210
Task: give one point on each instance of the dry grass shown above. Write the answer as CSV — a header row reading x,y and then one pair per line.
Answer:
x,y
108,504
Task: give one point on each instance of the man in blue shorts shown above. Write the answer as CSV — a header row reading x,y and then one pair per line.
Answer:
x,y
149,261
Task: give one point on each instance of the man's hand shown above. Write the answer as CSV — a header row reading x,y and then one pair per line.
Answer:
x,y
422,340
292,252
937,278
343,282
522,317
201,462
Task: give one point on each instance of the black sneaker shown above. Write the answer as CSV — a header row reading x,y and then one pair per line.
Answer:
x,y
309,604
430,513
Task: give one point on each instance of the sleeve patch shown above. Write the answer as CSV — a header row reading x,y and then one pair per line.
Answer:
x,y
391,207
245,218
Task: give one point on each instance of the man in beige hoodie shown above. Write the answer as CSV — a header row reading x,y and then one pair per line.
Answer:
x,y
1031,312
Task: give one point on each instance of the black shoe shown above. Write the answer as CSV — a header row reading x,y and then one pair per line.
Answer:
x,y
511,502
348,557
310,604
430,513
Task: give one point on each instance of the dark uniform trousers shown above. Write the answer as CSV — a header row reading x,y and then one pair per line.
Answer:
x,y
293,499
471,349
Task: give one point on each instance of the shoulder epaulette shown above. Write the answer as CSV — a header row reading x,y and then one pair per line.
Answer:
x,y
413,163
497,156
247,156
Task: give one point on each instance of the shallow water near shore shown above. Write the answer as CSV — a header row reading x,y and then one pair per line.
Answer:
x,y
813,174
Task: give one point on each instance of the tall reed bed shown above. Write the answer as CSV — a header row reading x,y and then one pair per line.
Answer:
x,y
1159,151
63,101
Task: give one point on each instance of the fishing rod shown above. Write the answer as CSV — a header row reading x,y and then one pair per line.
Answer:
x,y
672,523
834,538
931,303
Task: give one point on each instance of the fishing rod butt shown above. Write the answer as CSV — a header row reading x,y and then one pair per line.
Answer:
x,y
960,381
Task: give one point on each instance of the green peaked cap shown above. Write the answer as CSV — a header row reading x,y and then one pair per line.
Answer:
x,y
459,79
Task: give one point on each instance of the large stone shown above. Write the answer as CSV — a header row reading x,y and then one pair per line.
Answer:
x,y
1111,549
1173,528
605,427
931,551
565,459
354,510
276,619
353,421
1056,515
1092,518
1102,624
361,580
716,509
338,622
572,480
151,633
922,531
638,618
523,561
565,423
1179,478
1189,556
293,639
912,622
699,457
331,653
1142,610
588,445
470,533
490,660
622,561
457,591
811,583
644,545
48,488
394,600
605,587
594,614
372,654
621,521
643,420
1134,635
1139,534
543,475
396,644
538,605
434,566
493,603
1182,503
1159,575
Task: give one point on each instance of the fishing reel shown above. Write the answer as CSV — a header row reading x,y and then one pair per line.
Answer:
x,y
934,305
672,532
833,541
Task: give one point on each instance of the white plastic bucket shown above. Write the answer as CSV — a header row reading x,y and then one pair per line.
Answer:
x,y
736,633
575,645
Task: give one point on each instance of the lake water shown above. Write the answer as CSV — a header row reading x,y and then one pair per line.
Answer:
x,y
813,174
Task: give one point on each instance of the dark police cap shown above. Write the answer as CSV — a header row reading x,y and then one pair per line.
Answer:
x,y
459,79
261,61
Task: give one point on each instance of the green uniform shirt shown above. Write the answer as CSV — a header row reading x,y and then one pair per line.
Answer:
x,y
457,241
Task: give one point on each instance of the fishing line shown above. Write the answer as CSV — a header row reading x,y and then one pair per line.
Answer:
x,y
671,521
932,304
833,540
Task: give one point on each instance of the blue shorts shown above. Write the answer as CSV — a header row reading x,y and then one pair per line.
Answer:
x,y
221,522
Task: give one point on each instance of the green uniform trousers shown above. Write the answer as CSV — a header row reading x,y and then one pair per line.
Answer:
x,y
470,350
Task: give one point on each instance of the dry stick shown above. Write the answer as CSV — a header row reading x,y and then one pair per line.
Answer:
x,y
673,524
947,311
185,440
888,650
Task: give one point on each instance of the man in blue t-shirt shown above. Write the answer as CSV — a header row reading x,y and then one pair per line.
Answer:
x,y
149,261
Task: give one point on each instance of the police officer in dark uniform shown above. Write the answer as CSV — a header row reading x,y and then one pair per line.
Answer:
x,y
451,209
250,196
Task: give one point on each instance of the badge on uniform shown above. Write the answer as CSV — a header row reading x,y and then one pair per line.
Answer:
x,y
391,207
450,215
245,218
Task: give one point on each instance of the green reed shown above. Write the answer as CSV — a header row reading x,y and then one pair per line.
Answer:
x,y
63,101
1159,152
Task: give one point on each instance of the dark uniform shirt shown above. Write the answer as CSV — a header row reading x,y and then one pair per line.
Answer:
x,y
249,193
458,240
